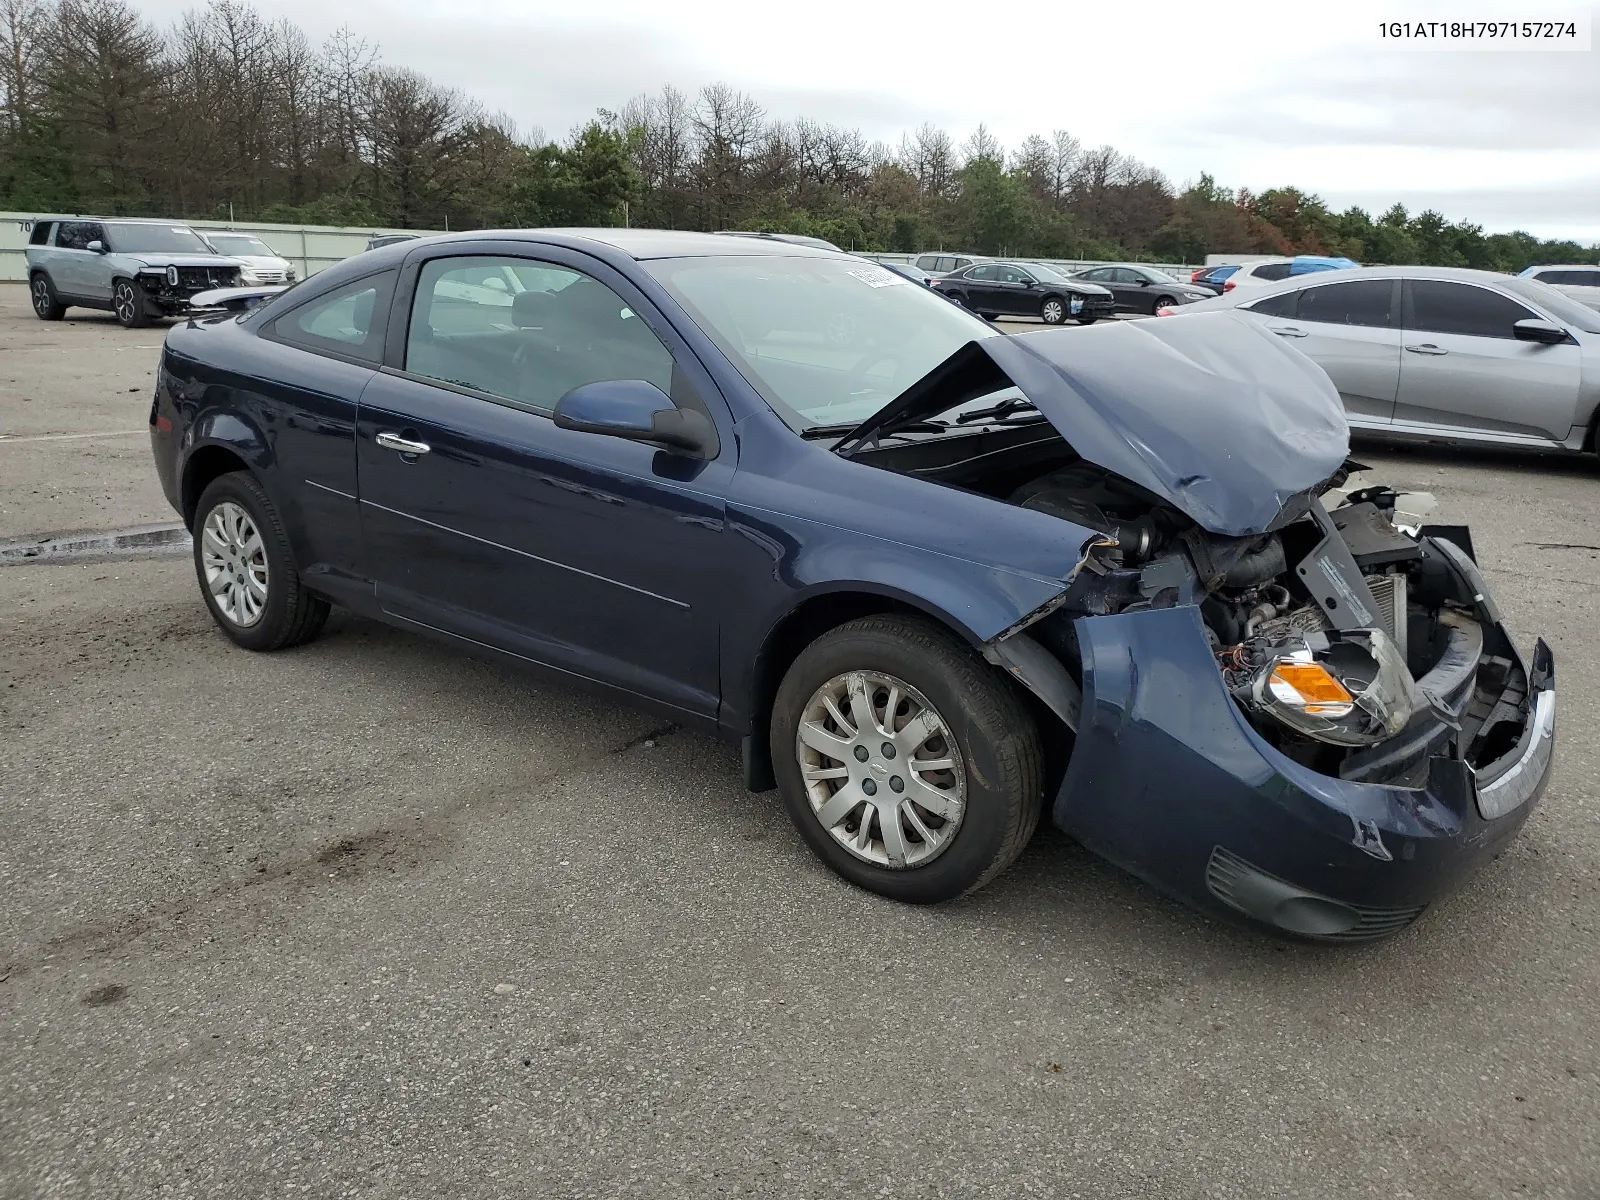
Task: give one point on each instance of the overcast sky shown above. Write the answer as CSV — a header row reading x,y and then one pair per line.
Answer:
x,y
1258,94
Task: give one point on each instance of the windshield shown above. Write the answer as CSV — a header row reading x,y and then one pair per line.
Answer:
x,y
1563,308
142,238
826,341
241,243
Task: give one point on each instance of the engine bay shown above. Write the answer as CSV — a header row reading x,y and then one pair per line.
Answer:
x,y
1355,639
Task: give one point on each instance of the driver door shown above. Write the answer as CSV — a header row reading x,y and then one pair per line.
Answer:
x,y
482,519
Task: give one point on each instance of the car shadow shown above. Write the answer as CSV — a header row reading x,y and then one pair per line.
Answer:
x,y
1506,458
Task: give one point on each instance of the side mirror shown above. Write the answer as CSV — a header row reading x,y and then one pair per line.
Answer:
x,y
96,247
1546,332
637,411
1143,282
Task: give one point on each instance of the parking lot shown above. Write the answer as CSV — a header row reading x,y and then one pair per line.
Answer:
x,y
372,918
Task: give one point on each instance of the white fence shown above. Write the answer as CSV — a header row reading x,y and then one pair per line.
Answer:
x,y
308,247
312,247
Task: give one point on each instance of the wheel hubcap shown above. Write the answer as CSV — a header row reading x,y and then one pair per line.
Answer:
x,y
1052,311
235,562
881,771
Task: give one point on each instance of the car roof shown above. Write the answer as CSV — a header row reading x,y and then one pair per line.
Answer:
x,y
1562,267
635,243
117,220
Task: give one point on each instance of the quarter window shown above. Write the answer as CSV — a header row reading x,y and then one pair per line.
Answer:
x,y
525,331
347,322
41,233
1278,306
1365,302
1440,306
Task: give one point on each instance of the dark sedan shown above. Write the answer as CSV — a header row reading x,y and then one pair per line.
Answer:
x,y
934,580
1025,289
1144,289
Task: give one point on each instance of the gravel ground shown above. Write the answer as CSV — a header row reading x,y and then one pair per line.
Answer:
x,y
369,918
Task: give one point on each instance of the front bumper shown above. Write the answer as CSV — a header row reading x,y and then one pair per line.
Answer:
x,y
1169,779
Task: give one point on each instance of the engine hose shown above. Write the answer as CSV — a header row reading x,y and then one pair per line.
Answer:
x,y
1257,566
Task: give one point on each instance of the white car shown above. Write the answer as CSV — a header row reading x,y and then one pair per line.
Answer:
x,y
261,264
1581,281
1259,273
1441,353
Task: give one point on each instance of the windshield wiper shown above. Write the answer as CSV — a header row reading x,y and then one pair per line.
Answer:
x,y
821,431
1011,404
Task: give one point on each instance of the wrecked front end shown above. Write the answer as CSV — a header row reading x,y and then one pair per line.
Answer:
x,y
1325,734
1292,701
174,290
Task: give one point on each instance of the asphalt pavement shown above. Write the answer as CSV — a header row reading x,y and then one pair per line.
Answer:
x,y
370,918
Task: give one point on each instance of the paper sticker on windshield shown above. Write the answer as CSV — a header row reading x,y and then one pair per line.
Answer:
x,y
877,277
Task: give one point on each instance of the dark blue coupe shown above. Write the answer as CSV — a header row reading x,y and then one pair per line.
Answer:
x,y
932,578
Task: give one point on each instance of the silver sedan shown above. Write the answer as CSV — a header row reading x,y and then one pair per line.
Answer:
x,y
1443,354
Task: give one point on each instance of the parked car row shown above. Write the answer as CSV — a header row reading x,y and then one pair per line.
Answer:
x,y
140,269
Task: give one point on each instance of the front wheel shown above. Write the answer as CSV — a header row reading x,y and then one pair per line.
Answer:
x,y
47,305
1053,311
246,571
1087,320
908,764
127,302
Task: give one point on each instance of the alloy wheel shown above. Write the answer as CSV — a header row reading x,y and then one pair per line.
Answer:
x,y
235,561
41,295
882,773
126,303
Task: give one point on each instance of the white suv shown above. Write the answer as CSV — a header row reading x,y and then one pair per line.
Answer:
x,y
1581,281
1259,273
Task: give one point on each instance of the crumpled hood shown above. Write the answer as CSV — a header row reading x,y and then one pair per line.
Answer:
x,y
1210,411
184,260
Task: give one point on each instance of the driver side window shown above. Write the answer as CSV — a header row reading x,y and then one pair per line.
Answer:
x,y
525,331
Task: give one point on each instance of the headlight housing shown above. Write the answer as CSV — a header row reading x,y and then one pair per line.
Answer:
x,y
1347,687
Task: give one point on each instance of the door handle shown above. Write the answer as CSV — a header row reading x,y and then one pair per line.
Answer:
x,y
393,441
1288,331
1427,348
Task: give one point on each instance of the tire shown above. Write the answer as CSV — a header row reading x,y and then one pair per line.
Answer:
x,y
1162,302
47,305
127,303
1087,320
989,316
1053,310
262,603
956,298
995,766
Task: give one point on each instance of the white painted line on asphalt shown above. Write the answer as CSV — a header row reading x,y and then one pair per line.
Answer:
x,y
66,437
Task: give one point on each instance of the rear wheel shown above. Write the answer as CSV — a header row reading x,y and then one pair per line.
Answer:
x,y
908,764
246,572
47,305
127,302
1163,302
